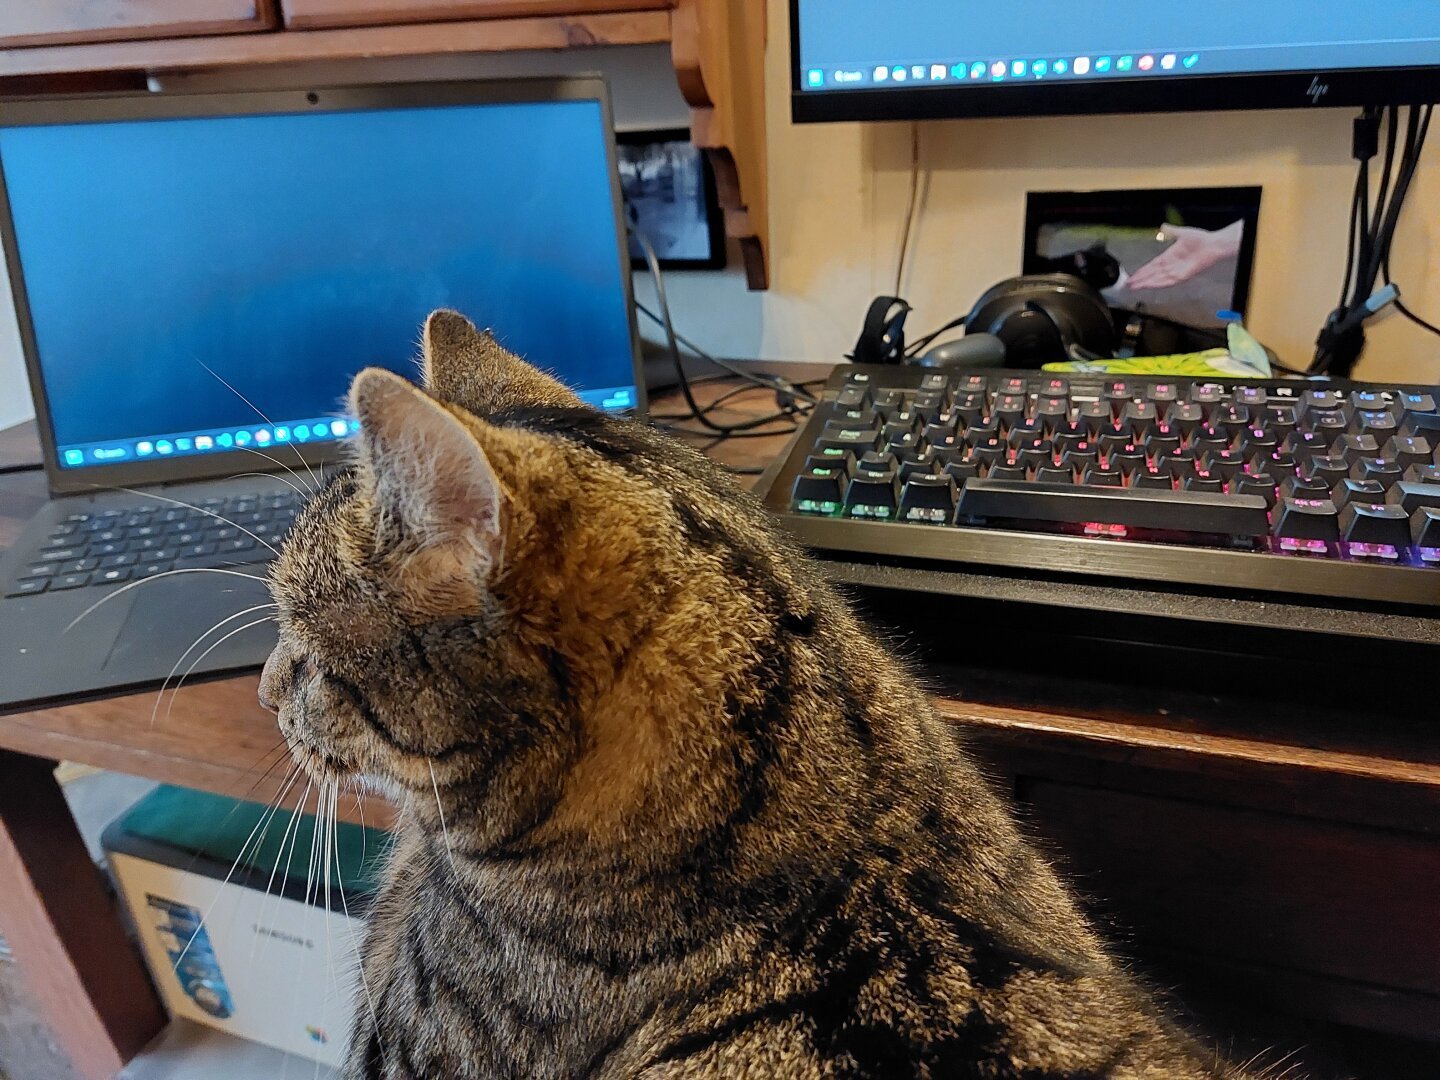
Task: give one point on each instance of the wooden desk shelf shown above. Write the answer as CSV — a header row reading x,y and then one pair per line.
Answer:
x,y
718,48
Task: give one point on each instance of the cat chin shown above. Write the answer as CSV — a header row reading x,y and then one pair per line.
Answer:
x,y
380,785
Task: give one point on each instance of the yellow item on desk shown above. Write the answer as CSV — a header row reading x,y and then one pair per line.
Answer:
x,y
1244,358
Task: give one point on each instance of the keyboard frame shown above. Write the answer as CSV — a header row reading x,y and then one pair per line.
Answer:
x,y
1049,553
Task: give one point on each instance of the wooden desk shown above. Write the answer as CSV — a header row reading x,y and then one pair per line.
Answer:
x,y
1288,862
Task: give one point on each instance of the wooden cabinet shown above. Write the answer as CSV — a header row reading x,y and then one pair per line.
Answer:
x,y
46,22
310,14
58,46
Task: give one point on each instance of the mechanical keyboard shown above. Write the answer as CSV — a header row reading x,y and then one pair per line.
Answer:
x,y
1313,489
152,537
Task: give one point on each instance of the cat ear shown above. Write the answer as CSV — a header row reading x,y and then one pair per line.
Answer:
x,y
469,368
432,481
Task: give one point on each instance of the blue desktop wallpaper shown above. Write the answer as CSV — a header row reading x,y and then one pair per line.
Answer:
x,y
287,252
1341,33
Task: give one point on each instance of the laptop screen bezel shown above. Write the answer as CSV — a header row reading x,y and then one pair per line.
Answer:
x,y
149,106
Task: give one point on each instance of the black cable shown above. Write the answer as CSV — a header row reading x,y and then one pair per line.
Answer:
x,y
910,208
778,383
1372,231
917,347
672,343
30,466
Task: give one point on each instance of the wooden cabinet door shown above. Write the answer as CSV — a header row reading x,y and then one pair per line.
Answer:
x,y
48,22
313,14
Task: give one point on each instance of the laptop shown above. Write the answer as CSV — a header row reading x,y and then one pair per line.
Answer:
x,y
197,278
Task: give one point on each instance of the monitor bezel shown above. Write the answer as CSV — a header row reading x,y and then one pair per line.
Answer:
x,y
25,112
1315,88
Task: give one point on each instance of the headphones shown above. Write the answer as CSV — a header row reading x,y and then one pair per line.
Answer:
x,y
1039,318
1042,318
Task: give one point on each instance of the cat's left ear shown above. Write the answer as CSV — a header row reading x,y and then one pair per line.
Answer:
x,y
432,481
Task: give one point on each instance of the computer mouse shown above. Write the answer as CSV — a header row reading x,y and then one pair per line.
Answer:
x,y
970,351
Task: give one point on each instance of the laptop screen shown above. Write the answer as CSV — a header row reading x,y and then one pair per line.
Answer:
x,y
176,268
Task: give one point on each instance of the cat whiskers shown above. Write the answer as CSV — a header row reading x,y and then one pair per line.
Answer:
x,y
160,696
191,506
244,848
304,493
444,829
156,577
212,647
247,401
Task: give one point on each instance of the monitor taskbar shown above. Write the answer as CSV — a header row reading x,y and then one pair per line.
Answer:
x,y
260,439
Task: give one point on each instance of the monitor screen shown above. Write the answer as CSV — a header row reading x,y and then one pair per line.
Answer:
x,y
185,275
855,59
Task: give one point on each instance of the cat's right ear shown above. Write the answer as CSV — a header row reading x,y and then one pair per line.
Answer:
x,y
432,485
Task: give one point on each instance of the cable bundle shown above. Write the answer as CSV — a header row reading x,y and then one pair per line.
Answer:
x,y
1372,232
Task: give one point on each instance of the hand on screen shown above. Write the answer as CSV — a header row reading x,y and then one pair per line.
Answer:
x,y
1193,252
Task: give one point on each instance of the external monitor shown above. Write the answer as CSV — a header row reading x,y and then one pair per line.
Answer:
x,y
923,59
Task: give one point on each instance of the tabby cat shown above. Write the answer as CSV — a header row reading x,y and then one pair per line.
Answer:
x,y
666,809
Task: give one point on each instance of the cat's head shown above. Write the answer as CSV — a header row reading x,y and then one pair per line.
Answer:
x,y
499,571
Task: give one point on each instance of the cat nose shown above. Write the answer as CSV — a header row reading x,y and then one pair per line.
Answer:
x,y
268,681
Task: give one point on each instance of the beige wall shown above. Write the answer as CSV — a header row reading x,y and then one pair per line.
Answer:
x,y
838,194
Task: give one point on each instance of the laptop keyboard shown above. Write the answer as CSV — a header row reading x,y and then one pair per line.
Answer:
x,y
150,537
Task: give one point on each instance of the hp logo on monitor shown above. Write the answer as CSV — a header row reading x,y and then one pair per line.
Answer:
x,y
1317,90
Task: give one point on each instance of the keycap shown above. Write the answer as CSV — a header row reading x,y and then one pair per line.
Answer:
x,y
79,566
1179,511
1367,400
60,554
1140,417
1298,487
1281,465
1368,523
1223,463
962,472
1185,416
928,499
1009,409
818,490
1328,469
850,397
127,558
69,581
1007,472
1412,496
1354,447
1261,484
1152,479
27,587
1252,397
1036,454
1054,474
870,494
1381,425
1425,528
1307,519
1423,474
1408,450
1258,443
197,549
934,381
1382,470
45,569
112,576
150,569
1101,477
1128,461
1363,491
1162,393
1203,481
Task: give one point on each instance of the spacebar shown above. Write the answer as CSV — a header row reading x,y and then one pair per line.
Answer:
x,y
1144,508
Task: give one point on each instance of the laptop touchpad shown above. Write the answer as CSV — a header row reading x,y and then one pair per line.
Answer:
x,y
219,615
